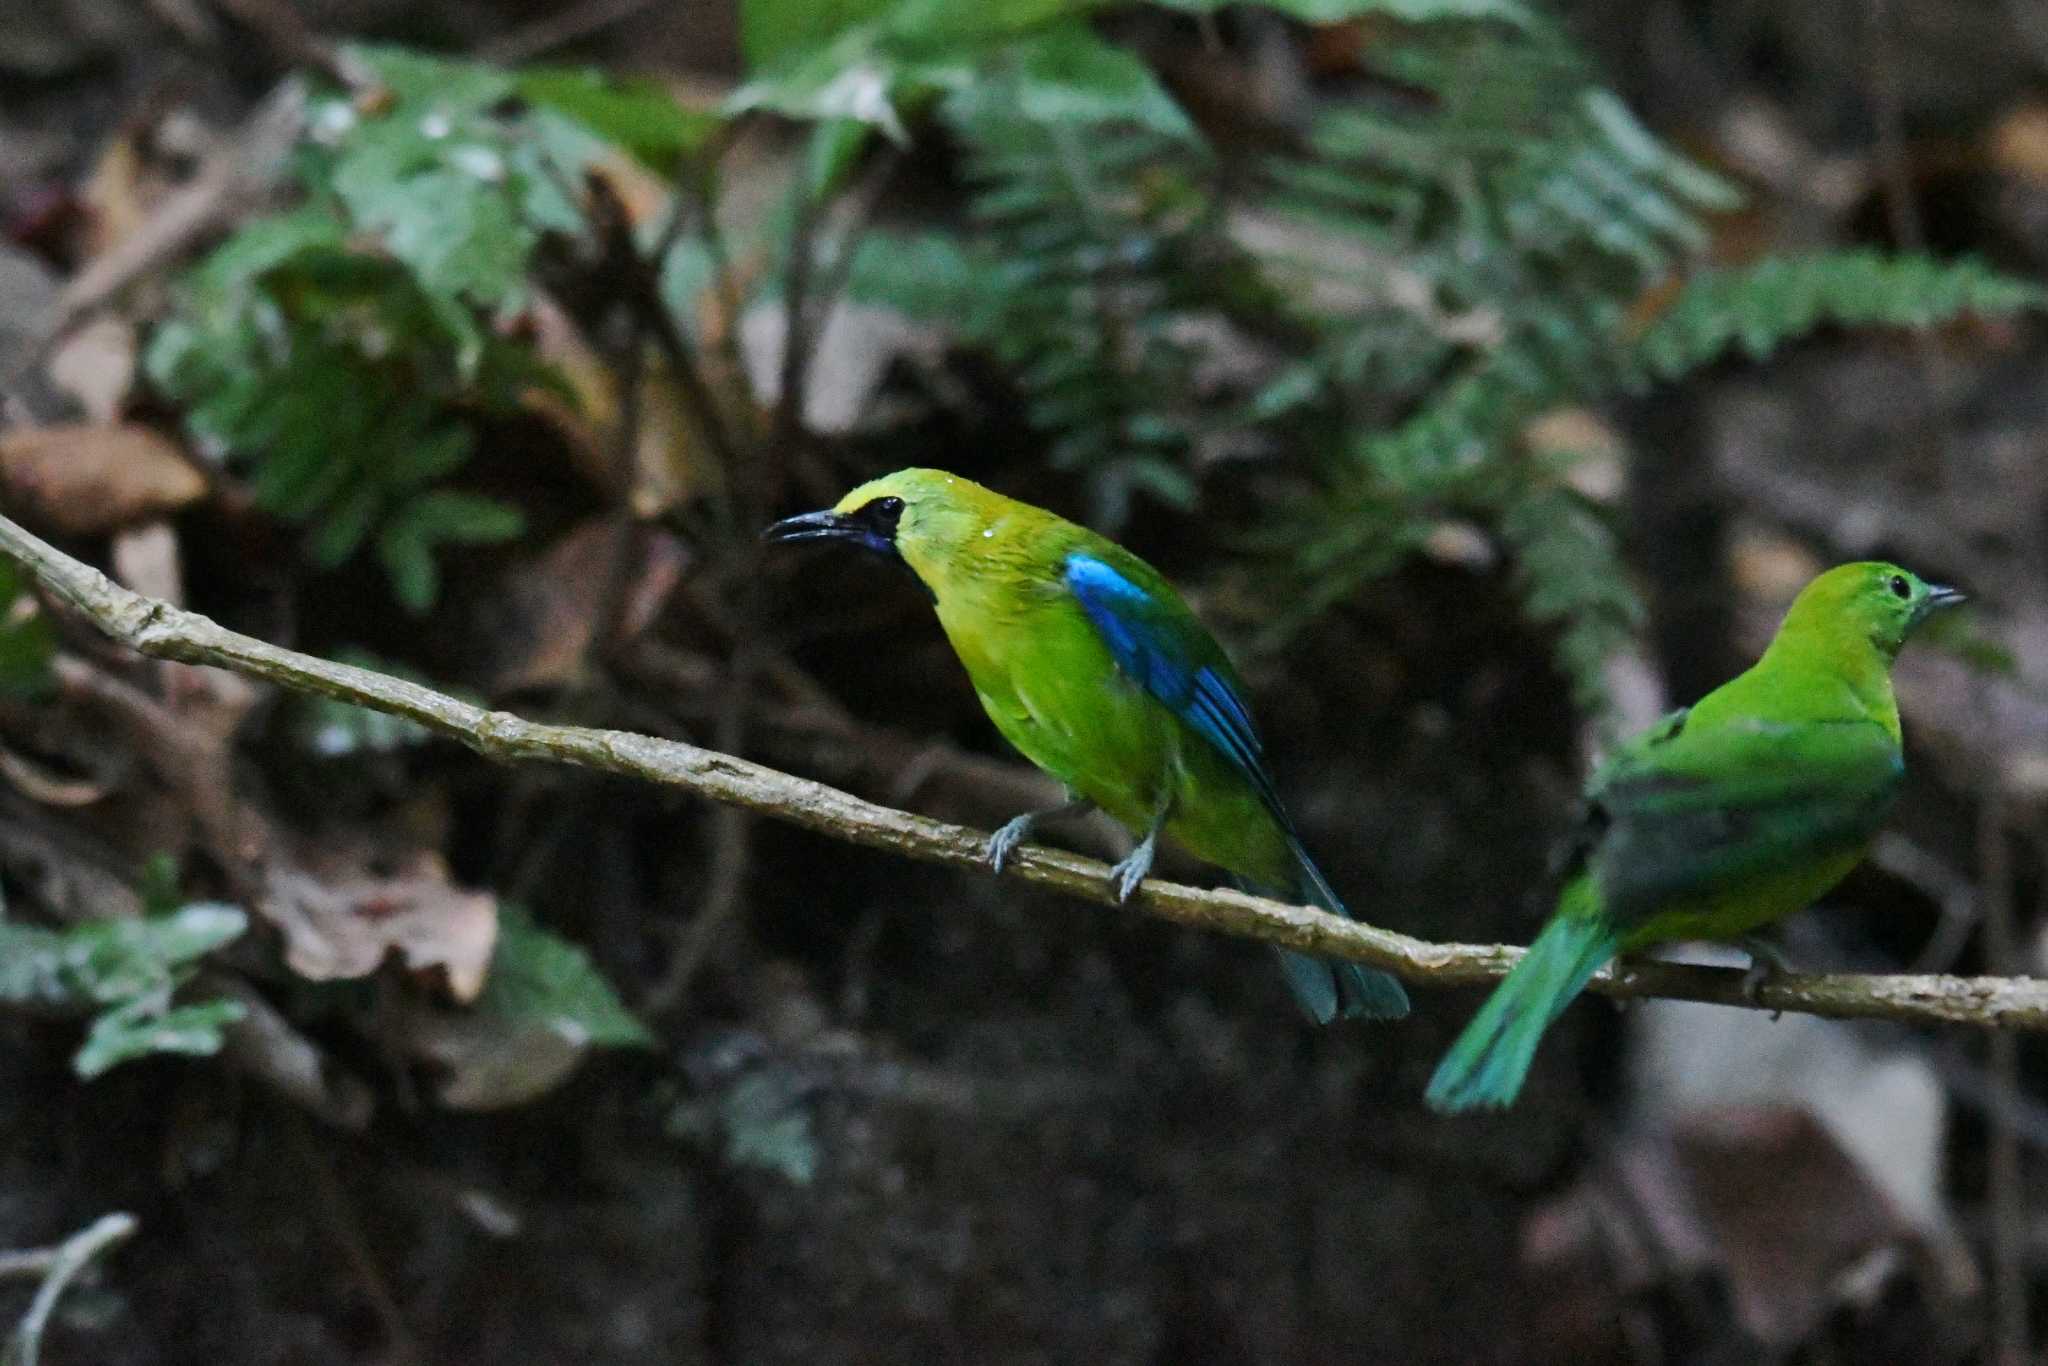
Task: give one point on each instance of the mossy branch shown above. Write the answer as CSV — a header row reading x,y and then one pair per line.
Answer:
x,y
162,631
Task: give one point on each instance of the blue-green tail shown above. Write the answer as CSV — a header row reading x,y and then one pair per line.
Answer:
x,y
1329,989
1488,1062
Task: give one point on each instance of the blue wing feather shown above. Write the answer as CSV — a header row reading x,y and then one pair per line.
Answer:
x,y
1165,651
1158,648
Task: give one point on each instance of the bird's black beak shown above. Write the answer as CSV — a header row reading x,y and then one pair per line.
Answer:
x,y
1939,597
815,526
871,526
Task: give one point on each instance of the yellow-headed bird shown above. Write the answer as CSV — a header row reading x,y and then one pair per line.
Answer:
x,y
1089,662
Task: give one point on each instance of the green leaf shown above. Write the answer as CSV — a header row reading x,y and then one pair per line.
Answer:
x,y
345,524
430,454
456,229
768,1127
464,518
832,150
27,639
852,79
1411,11
264,244
143,1027
432,83
868,71
406,545
773,30
927,275
537,977
762,1121
129,970
636,114
409,563
1068,74
115,960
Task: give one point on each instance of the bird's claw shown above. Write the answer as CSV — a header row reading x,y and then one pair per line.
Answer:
x,y
1767,962
1134,869
1004,842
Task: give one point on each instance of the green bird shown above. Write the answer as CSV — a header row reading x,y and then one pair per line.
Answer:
x,y
1720,818
1092,666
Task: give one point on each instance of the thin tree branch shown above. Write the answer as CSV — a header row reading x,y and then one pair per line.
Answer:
x,y
572,25
161,631
58,1266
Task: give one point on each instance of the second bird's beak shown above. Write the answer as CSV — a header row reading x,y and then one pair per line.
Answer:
x,y
1939,597
813,526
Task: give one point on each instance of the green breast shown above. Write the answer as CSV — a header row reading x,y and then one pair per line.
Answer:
x,y
1748,905
1053,690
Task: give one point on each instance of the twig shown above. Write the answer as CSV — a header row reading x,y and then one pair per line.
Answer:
x,y
559,30
2007,1193
59,1266
269,1048
797,333
233,177
294,42
816,282
355,1250
161,631
732,854
641,291
1903,217
1953,894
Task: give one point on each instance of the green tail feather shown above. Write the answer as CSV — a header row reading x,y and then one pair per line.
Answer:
x,y
1488,1062
1327,989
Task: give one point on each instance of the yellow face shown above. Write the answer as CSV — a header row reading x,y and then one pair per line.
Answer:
x,y
926,518
929,518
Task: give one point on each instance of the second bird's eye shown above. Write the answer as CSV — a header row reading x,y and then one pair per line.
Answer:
x,y
1901,587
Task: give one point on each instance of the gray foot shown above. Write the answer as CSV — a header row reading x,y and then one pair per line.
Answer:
x,y
1004,842
1767,962
1134,869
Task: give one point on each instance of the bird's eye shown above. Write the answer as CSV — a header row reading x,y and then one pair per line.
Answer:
x,y
882,515
1900,587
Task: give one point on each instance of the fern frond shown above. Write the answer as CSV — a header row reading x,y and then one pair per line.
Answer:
x,y
1760,307
1104,245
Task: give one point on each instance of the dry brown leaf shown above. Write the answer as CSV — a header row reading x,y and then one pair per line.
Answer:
x,y
1599,454
38,784
1771,567
487,1063
339,931
1759,1198
1790,1212
96,366
655,475
552,609
85,480
2019,144
848,364
137,171
146,560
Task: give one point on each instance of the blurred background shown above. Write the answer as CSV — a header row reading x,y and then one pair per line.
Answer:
x,y
1488,372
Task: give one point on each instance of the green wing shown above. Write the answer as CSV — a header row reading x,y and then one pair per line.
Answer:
x,y
1686,812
